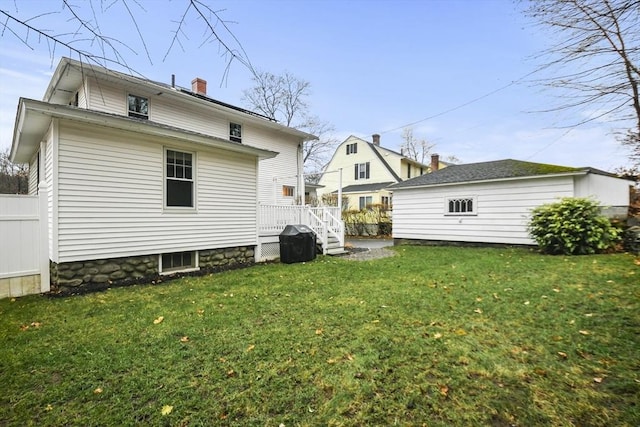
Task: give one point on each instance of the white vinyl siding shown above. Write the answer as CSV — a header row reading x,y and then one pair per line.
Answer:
x,y
502,210
278,171
609,191
274,173
33,175
111,197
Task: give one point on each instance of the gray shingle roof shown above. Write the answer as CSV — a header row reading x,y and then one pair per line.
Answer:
x,y
365,187
499,169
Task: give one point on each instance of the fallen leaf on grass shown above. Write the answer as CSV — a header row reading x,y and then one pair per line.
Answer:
x,y
97,391
200,311
166,409
583,332
158,320
526,303
461,332
562,354
477,310
598,380
250,348
24,327
36,324
588,315
437,335
635,261
319,331
184,339
48,407
444,390
231,373
556,290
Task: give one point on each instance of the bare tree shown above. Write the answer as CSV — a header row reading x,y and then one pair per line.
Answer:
x,y
415,148
284,98
595,60
13,178
78,30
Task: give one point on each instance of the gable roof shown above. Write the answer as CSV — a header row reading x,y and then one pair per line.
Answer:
x,y
376,150
492,171
384,162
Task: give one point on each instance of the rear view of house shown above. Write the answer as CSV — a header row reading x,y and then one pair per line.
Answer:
x,y
491,202
145,178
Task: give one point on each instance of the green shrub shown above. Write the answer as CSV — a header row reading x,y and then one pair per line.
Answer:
x,y
572,226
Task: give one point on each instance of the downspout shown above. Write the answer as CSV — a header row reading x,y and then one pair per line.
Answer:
x,y
300,174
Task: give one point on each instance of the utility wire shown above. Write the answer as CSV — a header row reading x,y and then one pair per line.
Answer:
x,y
474,100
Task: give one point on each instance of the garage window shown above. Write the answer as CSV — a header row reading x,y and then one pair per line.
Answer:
x,y
460,206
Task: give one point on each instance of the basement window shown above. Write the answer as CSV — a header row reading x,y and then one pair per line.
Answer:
x,y
235,132
460,206
178,262
138,107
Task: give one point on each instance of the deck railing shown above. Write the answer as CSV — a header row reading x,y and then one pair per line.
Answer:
x,y
324,221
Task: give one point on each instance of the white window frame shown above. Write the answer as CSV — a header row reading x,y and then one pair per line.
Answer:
x,y
193,181
362,170
463,204
137,114
194,267
232,136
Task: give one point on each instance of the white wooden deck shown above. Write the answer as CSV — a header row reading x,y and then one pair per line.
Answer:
x,y
324,221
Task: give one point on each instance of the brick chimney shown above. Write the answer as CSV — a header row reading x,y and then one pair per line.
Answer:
x,y
199,86
435,162
376,139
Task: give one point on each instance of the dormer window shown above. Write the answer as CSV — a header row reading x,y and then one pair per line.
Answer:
x,y
352,148
235,132
138,107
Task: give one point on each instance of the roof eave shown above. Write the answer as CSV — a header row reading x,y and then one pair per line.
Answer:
x,y
30,111
65,63
399,186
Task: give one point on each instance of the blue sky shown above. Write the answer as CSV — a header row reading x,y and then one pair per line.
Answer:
x,y
374,66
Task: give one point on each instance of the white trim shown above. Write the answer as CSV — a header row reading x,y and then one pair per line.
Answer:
x,y
196,266
194,179
474,202
483,181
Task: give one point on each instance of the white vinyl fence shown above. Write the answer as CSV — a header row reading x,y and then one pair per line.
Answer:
x,y
24,247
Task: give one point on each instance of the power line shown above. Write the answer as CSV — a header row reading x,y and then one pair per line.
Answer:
x,y
442,113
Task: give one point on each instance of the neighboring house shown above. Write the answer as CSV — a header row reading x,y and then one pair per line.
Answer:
x,y
366,169
491,202
145,178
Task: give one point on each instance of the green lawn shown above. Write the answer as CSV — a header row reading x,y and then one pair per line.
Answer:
x,y
433,336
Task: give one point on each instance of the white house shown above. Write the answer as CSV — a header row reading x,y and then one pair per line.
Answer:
x,y
145,178
491,202
365,169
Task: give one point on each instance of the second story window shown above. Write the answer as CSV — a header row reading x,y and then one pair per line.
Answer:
x,y
138,107
362,171
235,132
352,148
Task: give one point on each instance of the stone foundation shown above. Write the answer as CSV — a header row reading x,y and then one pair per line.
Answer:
x,y
84,276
